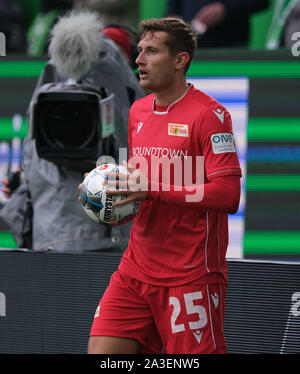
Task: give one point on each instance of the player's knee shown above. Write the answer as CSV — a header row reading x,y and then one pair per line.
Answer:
x,y
112,345
92,345
99,345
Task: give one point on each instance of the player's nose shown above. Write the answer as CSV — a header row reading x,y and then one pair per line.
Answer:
x,y
140,60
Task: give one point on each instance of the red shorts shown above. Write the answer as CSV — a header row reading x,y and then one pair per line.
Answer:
x,y
185,319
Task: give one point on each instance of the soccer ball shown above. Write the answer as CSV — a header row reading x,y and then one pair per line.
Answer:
x,y
99,206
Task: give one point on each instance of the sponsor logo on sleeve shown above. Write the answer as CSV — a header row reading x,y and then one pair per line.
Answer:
x,y
222,143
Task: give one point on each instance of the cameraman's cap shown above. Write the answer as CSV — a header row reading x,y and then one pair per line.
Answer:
x,y
119,36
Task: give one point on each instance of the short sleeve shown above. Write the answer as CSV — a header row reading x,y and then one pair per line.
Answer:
x,y
217,143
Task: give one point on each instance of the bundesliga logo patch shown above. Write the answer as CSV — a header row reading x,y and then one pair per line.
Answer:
x,y
175,129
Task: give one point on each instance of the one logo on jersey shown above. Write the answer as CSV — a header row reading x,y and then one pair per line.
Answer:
x,y
215,299
140,125
198,335
220,114
222,143
175,129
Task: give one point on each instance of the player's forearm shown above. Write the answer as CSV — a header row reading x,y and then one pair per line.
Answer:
x,y
221,194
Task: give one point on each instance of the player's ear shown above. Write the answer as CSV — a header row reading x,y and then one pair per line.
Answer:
x,y
182,58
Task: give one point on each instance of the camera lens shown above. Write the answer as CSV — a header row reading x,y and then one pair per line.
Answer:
x,y
69,124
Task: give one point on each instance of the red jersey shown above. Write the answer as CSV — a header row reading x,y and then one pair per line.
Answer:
x,y
176,244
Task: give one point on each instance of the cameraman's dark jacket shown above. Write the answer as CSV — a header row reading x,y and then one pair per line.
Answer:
x,y
58,220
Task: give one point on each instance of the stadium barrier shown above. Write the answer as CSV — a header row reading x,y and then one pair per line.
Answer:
x,y
48,300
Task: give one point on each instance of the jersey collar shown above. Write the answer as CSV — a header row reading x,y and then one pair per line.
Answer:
x,y
171,105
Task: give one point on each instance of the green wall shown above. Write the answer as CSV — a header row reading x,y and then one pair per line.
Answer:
x,y
260,22
152,8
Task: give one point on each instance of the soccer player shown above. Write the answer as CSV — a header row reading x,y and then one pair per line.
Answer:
x,y
169,290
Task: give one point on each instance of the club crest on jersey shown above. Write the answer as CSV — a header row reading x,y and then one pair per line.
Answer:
x,y
175,129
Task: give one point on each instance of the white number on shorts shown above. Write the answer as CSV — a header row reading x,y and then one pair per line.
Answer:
x,y
176,311
191,308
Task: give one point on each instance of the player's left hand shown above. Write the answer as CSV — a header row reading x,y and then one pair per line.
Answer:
x,y
134,185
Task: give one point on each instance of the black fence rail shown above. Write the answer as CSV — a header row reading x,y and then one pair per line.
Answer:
x,y
48,300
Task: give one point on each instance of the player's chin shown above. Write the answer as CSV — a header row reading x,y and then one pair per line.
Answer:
x,y
146,85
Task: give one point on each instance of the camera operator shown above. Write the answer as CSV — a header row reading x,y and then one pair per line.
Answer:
x,y
43,212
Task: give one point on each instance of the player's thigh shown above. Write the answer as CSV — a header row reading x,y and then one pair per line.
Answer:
x,y
124,315
112,345
192,319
